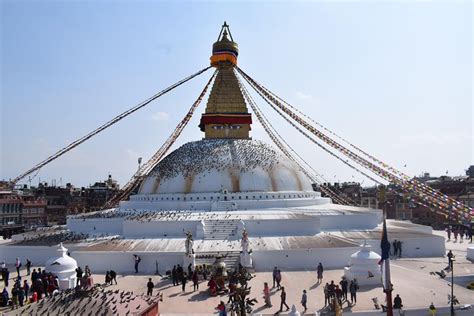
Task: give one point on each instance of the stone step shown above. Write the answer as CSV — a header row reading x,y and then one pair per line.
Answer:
x,y
231,259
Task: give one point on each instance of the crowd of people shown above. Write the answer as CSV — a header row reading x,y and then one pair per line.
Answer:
x,y
459,231
24,291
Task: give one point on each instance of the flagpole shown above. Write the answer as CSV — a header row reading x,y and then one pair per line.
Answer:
x,y
385,260
388,291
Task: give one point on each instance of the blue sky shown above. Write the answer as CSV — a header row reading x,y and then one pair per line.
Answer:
x,y
394,78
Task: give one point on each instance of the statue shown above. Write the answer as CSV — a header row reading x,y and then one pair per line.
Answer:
x,y
189,243
245,256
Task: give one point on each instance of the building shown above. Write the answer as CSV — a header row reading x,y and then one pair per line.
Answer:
x,y
33,211
11,221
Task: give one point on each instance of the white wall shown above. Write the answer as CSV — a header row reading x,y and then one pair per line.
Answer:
x,y
37,254
123,262
432,246
351,221
111,226
283,227
302,258
137,229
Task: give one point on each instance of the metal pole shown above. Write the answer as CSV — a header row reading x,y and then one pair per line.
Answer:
x,y
452,287
388,292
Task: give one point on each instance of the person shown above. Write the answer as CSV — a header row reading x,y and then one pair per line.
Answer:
x,y
222,309
283,299
137,260
174,276
87,272
448,230
450,259
326,294
190,271
274,274
266,295
338,294
399,248
278,279
28,266
304,299
26,287
195,278
107,278
353,289
5,297
183,281
397,302
320,271
149,287
18,266
344,287
14,297
21,296
79,274
113,277
212,286
6,276
395,248
179,272
432,309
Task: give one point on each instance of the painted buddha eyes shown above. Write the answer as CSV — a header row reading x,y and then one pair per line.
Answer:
x,y
221,127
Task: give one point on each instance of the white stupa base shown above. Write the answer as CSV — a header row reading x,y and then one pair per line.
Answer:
x,y
470,253
364,266
189,259
68,283
246,260
364,277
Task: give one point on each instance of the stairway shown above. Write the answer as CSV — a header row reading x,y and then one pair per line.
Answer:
x,y
231,258
221,229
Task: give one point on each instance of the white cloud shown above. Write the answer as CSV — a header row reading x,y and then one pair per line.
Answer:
x,y
303,96
160,116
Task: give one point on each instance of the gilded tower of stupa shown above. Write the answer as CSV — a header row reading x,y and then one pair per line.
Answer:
x,y
226,113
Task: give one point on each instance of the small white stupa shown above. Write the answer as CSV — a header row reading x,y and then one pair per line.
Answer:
x,y
64,267
364,266
470,253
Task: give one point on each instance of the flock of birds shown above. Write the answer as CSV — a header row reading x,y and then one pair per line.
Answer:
x,y
217,154
162,215
96,301
52,238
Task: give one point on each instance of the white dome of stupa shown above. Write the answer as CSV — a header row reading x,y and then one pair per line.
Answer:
x,y
235,165
63,266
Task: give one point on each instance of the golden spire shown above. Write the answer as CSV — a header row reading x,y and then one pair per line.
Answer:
x,y
226,113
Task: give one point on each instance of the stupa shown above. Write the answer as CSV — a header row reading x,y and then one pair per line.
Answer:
x,y
226,186
64,267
